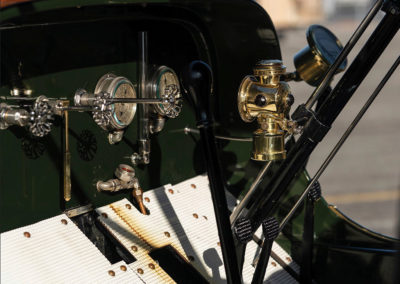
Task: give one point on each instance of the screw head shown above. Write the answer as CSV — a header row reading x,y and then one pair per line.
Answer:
x,y
128,206
147,199
104,215
63,221
27,234
140,271
195,215
152,266
273,263
111,273
123,267
171,191
193,185
167,234
134,248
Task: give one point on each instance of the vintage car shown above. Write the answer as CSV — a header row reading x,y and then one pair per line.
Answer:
x,y
153,141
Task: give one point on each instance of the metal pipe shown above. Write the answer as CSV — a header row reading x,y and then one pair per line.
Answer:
x,y
188,130
243,203
136,101
111,185
342,56
144,129
340,143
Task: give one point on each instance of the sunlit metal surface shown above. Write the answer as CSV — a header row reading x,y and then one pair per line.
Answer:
x,y
182,216
56,251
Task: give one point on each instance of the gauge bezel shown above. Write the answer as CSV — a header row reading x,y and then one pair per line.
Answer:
x,y
109,83
155,90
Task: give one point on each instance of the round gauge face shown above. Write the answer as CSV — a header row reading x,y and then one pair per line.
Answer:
x,y
123,113
166,87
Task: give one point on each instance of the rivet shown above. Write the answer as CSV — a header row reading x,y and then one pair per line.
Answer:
x,y
205,217
191,258
27,234
167,234
219,244
111,273
195,215
152,266
288,259
104,215
134,248
147,199
193,185
128,206
273,263
63,221
140,271
123,267
171,191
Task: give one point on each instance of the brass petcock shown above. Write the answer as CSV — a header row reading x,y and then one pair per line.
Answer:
x,y
263,96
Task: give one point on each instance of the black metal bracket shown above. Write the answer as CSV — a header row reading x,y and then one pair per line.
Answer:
x,y
391,6
315,129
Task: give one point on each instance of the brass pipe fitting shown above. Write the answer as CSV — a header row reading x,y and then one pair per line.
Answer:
x,y
266,98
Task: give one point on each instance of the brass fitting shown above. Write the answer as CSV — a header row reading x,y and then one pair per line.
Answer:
x,y
265,97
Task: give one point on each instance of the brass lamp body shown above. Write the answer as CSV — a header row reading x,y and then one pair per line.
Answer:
x,y
265,98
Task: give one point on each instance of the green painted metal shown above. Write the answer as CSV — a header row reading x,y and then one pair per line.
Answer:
x,y
56,47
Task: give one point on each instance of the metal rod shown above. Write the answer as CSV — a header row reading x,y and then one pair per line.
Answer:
x,y
342,56
340,143
136,101
144,129
308,243
67,160
262,263
188,130
7,98
243,203
78,108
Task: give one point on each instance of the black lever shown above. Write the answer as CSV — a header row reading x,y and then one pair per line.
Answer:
x,y
197,82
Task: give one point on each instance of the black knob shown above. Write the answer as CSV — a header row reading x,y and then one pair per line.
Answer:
x,y
197,82
270,228
315,192
243,230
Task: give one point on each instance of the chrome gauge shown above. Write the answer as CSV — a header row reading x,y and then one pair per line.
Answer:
x,y
118,115
165,85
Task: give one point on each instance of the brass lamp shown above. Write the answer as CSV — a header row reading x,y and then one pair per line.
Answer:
x,y
264,97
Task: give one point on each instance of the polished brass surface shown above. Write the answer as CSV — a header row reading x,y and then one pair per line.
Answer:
x,y
67,157
311,62
265,97
137,193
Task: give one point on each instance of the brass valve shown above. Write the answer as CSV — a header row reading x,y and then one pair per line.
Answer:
x,y
265,98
